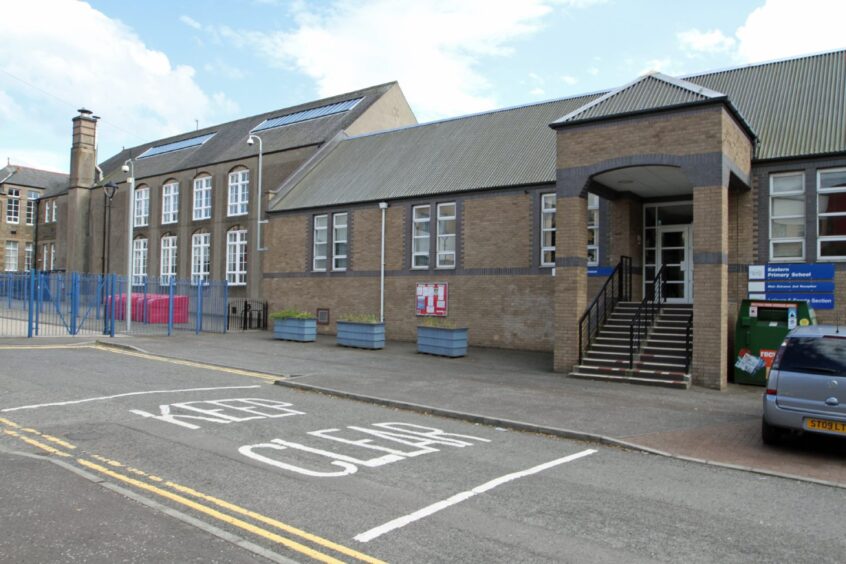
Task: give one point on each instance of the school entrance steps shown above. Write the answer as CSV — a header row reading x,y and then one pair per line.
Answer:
x,y
661,360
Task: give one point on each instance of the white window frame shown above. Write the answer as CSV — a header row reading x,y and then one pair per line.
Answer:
x,y
442,218
52,256
10,262
547,210
202,198
317,255
44,253
772,217
167,259
142,207
200,257
13,206
28,255
170,203
239,193
236,257
824,191
55,211
340,260
31,199
418,240
593,210
140,248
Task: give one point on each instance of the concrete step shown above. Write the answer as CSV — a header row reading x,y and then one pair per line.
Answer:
x,y
640,378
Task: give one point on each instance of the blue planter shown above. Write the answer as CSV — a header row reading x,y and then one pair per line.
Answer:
x,y
441,341
303,330
361,335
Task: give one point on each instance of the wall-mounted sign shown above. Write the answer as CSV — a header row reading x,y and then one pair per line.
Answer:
x,y
813,283
604,271
432,299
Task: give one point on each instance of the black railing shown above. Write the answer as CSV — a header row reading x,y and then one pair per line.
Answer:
x,y
617,288
246,314
646,312
688,344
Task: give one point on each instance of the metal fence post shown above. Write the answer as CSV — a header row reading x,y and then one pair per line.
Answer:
x,y
39,298
114,298
199,320
225,305
74,303
31,302
170,306
9,289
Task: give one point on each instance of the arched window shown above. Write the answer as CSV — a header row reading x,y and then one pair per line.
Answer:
x,y
168,258
202,197
200,256
170,201
139,261
236,256
239,192
142,206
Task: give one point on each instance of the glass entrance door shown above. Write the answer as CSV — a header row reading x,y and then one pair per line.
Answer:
x,y
668,241
674,251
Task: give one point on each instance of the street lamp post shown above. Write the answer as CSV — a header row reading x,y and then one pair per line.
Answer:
x,y
109,190
129,167
259,221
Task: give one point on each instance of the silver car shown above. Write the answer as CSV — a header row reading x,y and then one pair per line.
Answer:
x,y
806,388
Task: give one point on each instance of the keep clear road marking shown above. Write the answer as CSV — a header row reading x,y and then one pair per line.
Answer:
x,y
103,398
200,507
458,498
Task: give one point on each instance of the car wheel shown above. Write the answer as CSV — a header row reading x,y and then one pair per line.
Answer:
x,y
770,434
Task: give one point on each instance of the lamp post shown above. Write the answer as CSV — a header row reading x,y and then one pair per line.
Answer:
x,y
109,190
259,221
129,167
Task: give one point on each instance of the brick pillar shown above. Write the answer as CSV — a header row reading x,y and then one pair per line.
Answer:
x,y
626,231
710,286
570,279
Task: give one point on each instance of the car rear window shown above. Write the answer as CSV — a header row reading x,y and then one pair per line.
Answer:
x,y
815,355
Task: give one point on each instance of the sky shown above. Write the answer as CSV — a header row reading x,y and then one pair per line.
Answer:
x,y
156,68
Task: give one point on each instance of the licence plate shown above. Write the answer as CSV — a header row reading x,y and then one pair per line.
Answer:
x,y
825,425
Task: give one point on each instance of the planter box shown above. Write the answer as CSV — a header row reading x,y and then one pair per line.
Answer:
x,y
303,330
361,335
442,342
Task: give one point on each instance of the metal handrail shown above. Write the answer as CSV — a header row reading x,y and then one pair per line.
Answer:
x,y
688,343
620,284
646,312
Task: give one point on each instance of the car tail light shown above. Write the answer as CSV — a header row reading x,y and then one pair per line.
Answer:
x,y
772,392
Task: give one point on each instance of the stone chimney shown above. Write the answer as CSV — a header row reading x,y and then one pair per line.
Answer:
x,y
82,170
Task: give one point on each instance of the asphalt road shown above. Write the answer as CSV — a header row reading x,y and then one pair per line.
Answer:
x,y
201,463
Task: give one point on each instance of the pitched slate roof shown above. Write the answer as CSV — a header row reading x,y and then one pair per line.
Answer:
x,y
796,108
494,149
229,140
51,182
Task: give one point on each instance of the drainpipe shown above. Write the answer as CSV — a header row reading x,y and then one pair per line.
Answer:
x,y
384,207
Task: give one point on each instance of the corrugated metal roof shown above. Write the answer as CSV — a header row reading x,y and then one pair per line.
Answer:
x,y
229,141
501,148
51,182
797,106
649,92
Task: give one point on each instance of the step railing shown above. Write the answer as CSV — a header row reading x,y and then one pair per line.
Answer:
x,y
646,313
688,344
617,288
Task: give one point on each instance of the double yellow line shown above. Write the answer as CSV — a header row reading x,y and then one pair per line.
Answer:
x,y
162,488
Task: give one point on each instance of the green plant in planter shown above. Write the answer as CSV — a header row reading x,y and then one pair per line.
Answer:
x,y
291,314
438,323
359,318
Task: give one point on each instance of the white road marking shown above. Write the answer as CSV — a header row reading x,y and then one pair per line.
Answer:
x,y
103,398
457,498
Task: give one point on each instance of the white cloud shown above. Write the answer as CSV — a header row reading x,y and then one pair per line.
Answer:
x,y
657,65
537,92
190,22
431,47
34,158
569,80
139,93
695,42
225,70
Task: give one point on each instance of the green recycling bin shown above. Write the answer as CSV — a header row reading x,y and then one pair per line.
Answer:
x,y
761,327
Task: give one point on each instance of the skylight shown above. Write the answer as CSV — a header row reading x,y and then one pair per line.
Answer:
x,y
176,146
313,113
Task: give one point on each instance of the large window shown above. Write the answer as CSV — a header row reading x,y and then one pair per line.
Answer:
x,y
139,261
593,230
31,200
420,236
55,211
200,257
239,192
340,235
170,202
236,257
11,256
168,259
202,197
13,206
52,256
28,248
446,235
787,216
547,249
45,256
321,242
142,207
831,213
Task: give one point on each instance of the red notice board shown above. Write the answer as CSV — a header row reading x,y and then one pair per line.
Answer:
x,y
432,299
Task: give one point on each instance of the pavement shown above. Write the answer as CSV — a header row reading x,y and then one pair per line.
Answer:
x,y
518,390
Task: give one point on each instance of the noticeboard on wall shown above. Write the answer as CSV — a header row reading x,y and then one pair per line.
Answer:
x,y
432,298
810,282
